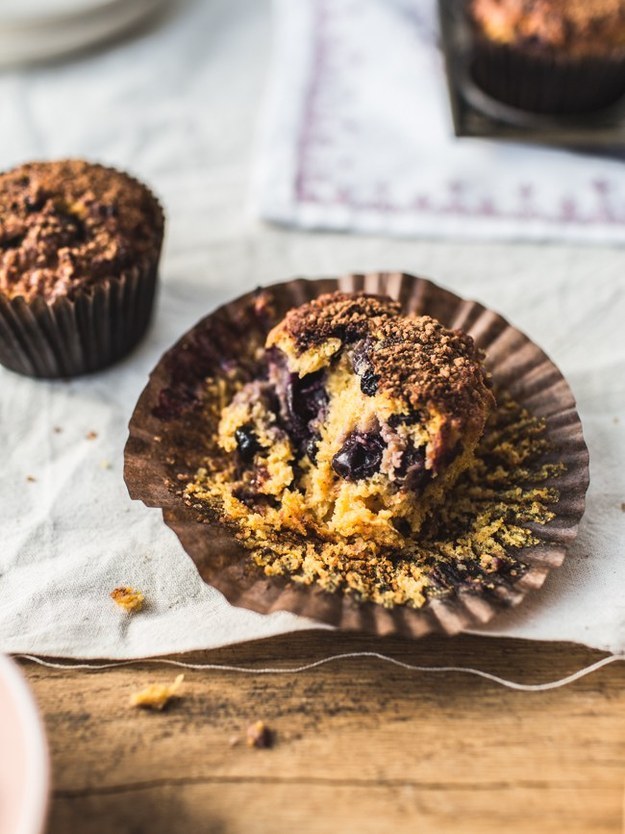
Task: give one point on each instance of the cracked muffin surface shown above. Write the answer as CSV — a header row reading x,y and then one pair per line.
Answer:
x,y
570,27
67,225
361,422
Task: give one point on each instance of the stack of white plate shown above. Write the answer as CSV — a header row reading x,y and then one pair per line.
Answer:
x,y
24,765
38,30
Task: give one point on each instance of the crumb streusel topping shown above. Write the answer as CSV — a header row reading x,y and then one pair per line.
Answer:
x,y
65,226
574,27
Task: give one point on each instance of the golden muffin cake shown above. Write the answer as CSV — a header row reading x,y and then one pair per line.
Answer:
x,y
361,421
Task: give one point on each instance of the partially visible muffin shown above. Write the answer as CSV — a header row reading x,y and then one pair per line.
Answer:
x,y
79,251
550,56
362,421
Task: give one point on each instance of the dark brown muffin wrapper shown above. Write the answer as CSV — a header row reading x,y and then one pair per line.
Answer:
x,y
166,445
541,83
71,337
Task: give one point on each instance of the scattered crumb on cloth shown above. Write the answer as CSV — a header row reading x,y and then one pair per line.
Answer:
x,y
128,598
157,695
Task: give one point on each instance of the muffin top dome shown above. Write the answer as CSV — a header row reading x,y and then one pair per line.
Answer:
x,y
580,28
67,225
414,360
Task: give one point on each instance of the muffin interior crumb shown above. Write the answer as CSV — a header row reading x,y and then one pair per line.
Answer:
x,y
474,542
357,420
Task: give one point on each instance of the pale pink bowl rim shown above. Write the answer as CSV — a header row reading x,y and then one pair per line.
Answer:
x,y
32,817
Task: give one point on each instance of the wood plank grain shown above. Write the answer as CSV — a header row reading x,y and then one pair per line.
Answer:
x,y
361,745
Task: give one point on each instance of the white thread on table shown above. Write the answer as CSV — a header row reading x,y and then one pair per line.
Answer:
x,y
218,667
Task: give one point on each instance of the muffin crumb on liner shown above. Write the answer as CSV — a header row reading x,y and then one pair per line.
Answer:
x,y
172,408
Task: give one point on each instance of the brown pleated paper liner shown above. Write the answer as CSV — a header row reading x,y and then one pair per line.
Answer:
x,y
166,447
543,84
73,337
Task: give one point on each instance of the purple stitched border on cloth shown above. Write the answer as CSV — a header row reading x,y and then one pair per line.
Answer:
x,y
326,58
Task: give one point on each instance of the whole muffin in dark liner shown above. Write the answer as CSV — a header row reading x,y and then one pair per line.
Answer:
x,y
79,251
559,57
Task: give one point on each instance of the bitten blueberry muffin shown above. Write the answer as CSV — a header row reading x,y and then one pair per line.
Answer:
x,y
79,249
550,56
362,421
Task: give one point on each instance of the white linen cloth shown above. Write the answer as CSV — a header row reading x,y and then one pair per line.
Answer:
x,y
359,137
177,107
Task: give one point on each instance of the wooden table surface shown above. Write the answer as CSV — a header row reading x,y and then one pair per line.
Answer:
x,y
361,745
